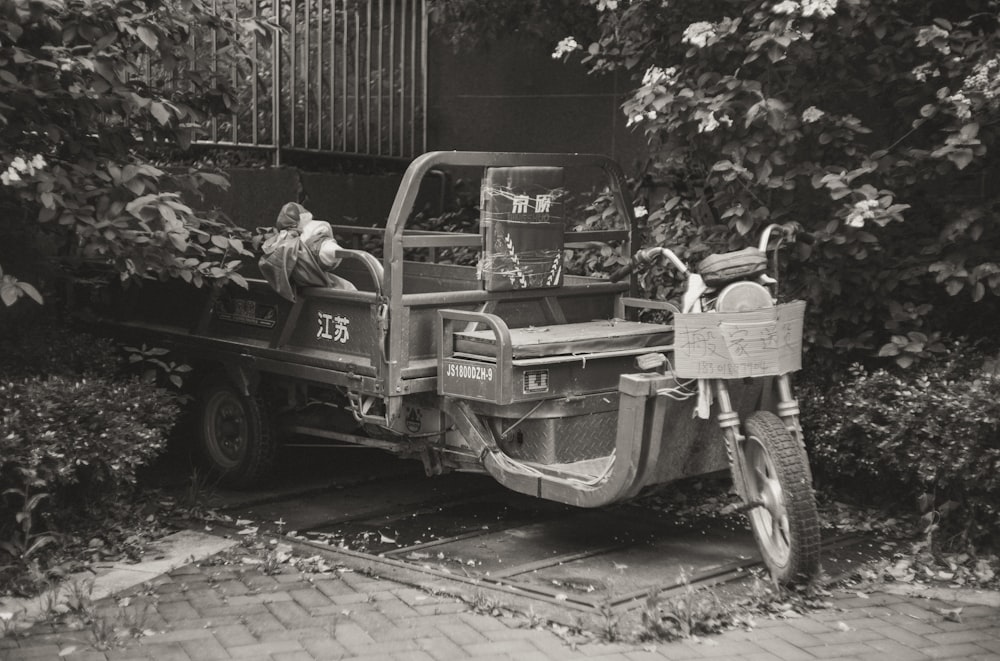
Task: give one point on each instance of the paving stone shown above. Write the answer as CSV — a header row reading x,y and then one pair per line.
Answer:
x,y
239,610
796,637
785,650
333,586
839,650
265,649
298,655
809,626
205,650
413,655
310,598
953,651
512,647
955,637
396,609
290,614
352,636
178,610
324,647
446,607
234,635
462,633
182,634
165,651
443,648
890,649
854,636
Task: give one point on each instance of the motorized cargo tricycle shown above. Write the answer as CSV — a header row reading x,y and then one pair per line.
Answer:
x,y
545,380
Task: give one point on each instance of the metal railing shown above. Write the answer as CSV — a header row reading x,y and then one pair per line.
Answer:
x,y
335,76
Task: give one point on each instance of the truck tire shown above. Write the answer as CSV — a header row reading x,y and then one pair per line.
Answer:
x,y
784,521
235,435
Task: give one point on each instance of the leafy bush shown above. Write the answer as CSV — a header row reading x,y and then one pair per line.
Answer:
x,y
930,436
74,430
83,436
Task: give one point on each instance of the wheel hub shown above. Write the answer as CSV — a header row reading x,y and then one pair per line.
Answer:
x,y
764,487
228,430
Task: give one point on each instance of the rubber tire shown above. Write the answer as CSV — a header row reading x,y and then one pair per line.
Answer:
x,y
249,461
787,458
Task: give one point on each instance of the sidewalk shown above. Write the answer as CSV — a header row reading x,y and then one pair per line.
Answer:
x,y
203,611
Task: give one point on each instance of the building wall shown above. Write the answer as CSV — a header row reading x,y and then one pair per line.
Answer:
x,y
512,96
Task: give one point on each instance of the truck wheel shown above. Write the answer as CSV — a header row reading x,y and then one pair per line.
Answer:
x,y
784,522
235,434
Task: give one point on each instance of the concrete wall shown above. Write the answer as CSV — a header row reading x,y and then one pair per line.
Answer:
x,y
512,96
256,195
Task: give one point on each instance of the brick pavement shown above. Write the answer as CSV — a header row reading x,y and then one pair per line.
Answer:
x,y
210,613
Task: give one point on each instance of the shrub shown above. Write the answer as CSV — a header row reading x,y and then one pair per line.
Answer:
x,y
82,436
930,436
74,430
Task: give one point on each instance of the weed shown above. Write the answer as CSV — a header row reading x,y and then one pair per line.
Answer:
x,y
198,493
103,632
49,602
689,613
10,623
610,624
271,565
535,621
133,618
23,542
79,598
486,605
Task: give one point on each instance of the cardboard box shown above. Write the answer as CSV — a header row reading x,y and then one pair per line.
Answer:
x,y
734,345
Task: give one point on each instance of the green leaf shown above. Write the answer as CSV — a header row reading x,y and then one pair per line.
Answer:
x,y
9,292
31,292
961,157
148,37
888,350
160,112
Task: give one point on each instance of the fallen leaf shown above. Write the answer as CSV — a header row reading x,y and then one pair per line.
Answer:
x,y
842,626
66,651
950,614
862,595
386,539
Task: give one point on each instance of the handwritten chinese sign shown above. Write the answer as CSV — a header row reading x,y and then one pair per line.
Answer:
x,y
733,345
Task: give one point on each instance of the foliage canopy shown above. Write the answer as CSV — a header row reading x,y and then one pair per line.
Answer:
x,y
90,92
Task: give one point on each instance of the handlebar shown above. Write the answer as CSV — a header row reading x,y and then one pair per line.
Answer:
x,y
791,231
648,256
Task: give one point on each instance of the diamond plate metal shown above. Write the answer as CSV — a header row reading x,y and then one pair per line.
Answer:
x,y
561,440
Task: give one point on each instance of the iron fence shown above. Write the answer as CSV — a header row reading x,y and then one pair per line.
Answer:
x,y
331,76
